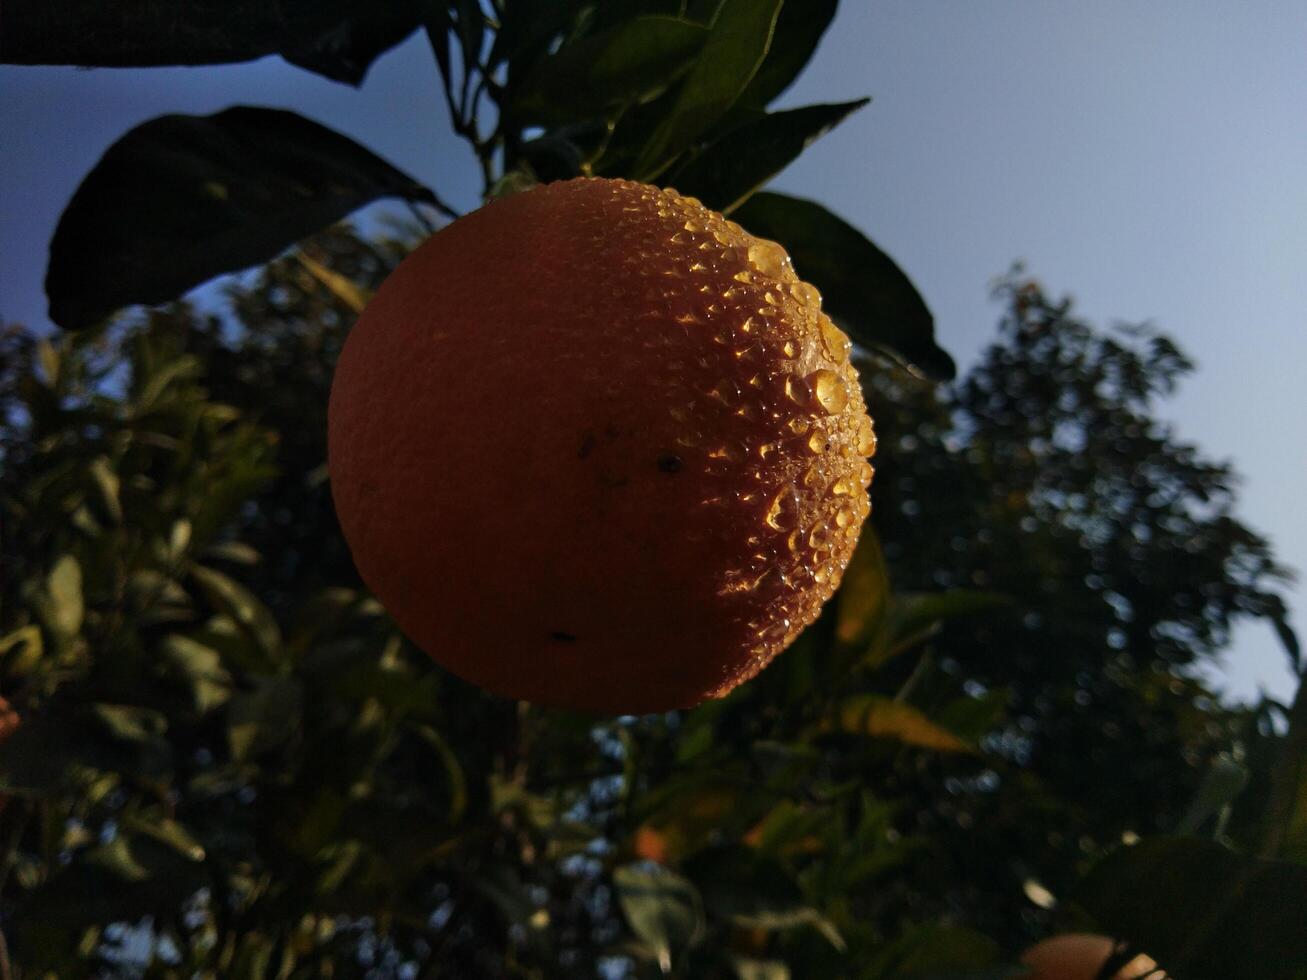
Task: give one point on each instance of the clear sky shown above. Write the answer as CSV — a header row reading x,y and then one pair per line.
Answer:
x,y
1147,156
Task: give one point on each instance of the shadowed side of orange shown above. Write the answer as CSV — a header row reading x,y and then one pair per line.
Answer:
x,y
595,446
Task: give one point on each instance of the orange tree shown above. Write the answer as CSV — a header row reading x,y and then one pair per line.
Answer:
x,y
229,761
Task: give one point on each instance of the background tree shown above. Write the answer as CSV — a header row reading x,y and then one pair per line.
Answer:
x,y
231,763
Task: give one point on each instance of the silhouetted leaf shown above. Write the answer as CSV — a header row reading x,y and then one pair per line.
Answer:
x,y
736,164
881,717
663,908
737,43
335,38
863,290
1201,911
181,199
630,62
798,30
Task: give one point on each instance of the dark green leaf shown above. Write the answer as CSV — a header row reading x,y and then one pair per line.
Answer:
x,y
1201,911
1288,640
199,668
338,38
737,43
1284,832
1224,780
936,951
798,30
631,62
181,199
230,597
262,719
104,737
756,892
732,167
863,290
663,908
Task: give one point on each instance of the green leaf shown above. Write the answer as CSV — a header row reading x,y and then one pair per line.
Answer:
x,y
168,832
49,747
880,717
261,720
798,30
662,908
326,38
864,591
915,616
199,668
756,892
1284,830
181,199
242,606
21,650
48,358
751,969
64,587
106,481
629,63
863,290
737,43
735,165
936,951
1201,911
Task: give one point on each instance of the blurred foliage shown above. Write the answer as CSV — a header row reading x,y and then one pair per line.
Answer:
x,y
229,763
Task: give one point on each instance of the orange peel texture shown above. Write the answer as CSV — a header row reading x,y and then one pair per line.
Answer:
x,y
595,446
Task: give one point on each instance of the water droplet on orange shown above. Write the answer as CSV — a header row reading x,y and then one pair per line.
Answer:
x,y
829,387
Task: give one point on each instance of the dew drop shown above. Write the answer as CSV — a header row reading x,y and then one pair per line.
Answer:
x,y
842,487
807,294
835,341
829,388
799,426
844,517
796,390
866,437
817,441
788,349
865,473
792,542
768,258
783,510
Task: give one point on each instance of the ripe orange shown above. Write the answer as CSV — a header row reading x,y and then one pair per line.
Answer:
x,y
1080,956
595,446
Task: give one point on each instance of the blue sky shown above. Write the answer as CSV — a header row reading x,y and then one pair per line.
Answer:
x,y
1150,158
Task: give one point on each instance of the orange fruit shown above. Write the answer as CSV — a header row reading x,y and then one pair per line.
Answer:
x,y
1080,956
595,446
